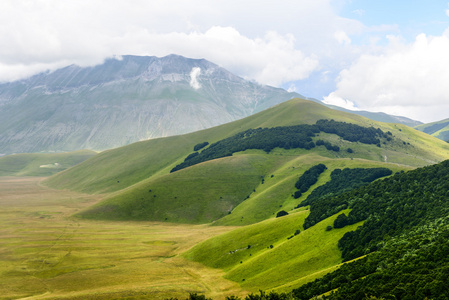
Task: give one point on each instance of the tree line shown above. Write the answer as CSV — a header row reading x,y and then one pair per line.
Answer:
x,y
285,137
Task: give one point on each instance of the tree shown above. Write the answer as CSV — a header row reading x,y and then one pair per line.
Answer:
x,y
281,214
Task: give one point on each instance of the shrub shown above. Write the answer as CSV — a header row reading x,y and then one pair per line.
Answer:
x,y
281,213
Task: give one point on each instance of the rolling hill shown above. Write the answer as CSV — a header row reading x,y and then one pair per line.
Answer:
x,y
140,185
277,244
438,129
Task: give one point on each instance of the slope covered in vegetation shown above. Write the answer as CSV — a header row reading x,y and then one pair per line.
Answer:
x,y
286,137
405,230
153,158
396,248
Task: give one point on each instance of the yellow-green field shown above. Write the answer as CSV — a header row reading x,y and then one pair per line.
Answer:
x,y
46,254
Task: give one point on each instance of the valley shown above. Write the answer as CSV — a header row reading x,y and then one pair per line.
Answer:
x,y
47,254
232,220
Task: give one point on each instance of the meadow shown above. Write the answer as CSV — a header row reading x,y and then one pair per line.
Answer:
x,y
47,254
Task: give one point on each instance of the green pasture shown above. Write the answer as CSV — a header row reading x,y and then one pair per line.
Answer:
x,y
47,254
41,164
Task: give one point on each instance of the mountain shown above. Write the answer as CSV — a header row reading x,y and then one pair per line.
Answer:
x,y
251,183
129,99
123,101
438,129
380,116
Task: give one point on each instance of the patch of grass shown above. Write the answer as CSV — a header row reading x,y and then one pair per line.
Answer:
x,y
200,194
41,164
269,254
276,192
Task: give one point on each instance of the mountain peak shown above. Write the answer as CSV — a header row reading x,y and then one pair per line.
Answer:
x,y
123,100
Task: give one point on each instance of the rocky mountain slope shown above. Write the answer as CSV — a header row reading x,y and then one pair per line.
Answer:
x,y
123,101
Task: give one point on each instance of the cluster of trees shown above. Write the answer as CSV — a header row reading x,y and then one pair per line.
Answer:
x,y
286,137
343,181
260,296
353,132
328,145
414,265
266,139
200,146
389,207
309,178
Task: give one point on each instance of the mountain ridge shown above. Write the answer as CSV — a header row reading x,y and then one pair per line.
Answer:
x,y
123,101
128,99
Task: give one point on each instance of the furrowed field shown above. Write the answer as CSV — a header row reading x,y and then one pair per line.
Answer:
x,y
46,254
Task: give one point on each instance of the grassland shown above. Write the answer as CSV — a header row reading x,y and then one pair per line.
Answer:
x,y
41,164
121,241
46,254
142,187
153,158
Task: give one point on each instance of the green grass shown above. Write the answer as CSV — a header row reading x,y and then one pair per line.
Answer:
x,y
41,164
262,255
46,254
200,194
276,192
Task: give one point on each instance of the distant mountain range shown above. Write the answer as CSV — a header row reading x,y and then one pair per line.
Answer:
x,y
123,101
129,99
438,129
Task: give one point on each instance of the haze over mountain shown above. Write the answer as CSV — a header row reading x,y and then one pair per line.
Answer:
x,y
123,101
129,99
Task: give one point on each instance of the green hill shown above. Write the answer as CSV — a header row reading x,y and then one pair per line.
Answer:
x,y
41,164
240,178
139,161
438,129
249,186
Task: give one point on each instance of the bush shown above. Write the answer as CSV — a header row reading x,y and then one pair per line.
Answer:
x,y
281,214
200,146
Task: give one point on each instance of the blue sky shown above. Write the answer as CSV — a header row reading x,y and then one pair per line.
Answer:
x,y
412,17
373,55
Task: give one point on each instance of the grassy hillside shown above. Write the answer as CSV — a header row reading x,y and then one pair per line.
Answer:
x,y
238,190
269,254
200,194
247,187
134,163
41,164
438,129
276,193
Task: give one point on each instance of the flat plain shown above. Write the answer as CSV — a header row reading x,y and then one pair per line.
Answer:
x,y
45,253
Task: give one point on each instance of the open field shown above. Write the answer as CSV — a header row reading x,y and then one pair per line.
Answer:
x,y
46,254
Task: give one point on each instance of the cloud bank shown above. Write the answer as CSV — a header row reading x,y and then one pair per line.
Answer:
x,y
296,44
405,79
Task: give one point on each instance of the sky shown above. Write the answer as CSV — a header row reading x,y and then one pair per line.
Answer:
x,y
375,55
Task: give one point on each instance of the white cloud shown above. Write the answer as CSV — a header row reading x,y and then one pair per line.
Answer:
x,y
406,79
333,99
280,43
342,38
194,78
